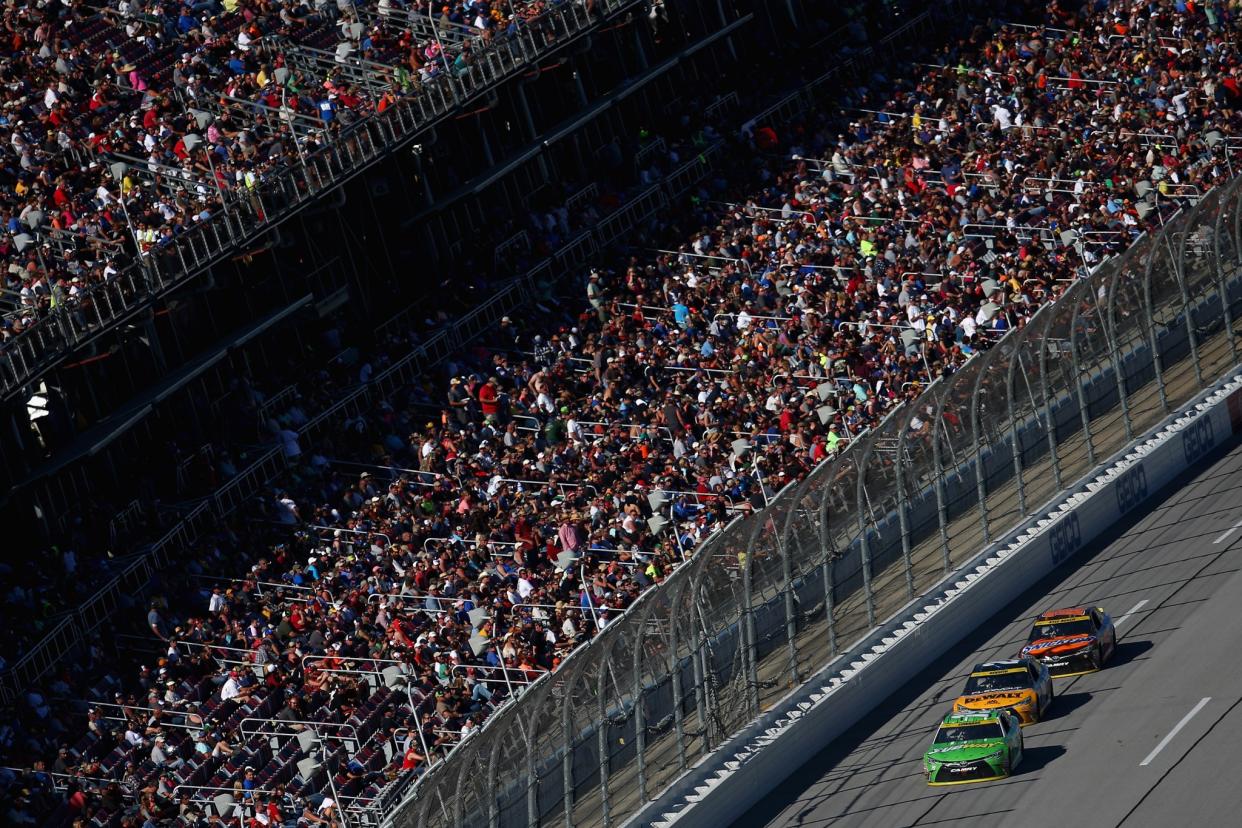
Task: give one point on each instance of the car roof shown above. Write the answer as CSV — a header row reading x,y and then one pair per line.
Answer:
x,y
1063,612
974,717
1009,665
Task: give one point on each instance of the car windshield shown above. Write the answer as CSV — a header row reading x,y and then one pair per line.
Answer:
x,y
948,735
989,684
1061,629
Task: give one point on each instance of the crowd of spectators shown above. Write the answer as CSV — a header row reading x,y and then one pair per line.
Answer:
x,y
200,101
438,552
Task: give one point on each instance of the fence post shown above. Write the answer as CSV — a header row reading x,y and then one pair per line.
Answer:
x,y
1114,351
748,637
980,485
1222,281
601,730
700,683
903,516
1080,393
678,715
1048,418
640,711
790,607
942,509
1175,258
1153,340
567,761
864,547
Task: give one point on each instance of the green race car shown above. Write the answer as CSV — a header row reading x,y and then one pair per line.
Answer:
x,y
974,747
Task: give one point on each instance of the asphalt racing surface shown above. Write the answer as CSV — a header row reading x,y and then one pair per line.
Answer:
x,y
1152,740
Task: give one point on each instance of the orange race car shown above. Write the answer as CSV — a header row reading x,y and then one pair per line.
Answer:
x,y
1021,686
1072,641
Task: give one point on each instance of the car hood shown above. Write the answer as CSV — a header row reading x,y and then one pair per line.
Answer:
x,y
964,751
1058,646
994,699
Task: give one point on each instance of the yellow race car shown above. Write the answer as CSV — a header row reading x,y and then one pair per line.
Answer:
x,y
1021,685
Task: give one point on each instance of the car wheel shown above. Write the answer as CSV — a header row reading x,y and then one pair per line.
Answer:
x,y
1007,768
1099,656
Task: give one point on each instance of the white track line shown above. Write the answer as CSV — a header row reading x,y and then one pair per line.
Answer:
x,y
1133,610
1176,729
1228,532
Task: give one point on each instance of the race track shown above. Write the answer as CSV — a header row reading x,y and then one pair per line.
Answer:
x,y
1134,745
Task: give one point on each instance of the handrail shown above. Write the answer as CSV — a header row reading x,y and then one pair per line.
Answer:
x,y
367,532
680,253
753,316
487,668
558,484
494,553
281,723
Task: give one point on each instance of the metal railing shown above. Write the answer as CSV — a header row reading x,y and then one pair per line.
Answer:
x,y
777,596
282,191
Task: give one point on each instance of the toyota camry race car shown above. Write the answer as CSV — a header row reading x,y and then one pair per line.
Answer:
x,y
974,747
1021,686
1072,641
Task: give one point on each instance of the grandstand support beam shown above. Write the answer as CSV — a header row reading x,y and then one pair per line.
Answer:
x,y
153,342
639,49
789,5
528,119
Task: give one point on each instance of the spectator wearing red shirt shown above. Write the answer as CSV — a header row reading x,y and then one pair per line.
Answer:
x,y
489,399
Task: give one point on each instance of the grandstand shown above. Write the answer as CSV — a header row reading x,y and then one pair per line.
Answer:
x,y
393,530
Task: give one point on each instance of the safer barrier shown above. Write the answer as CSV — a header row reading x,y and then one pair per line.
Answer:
x,y
771,601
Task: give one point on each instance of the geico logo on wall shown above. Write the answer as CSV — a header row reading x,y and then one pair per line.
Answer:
x,y
1065,538
1197,439
1131,489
